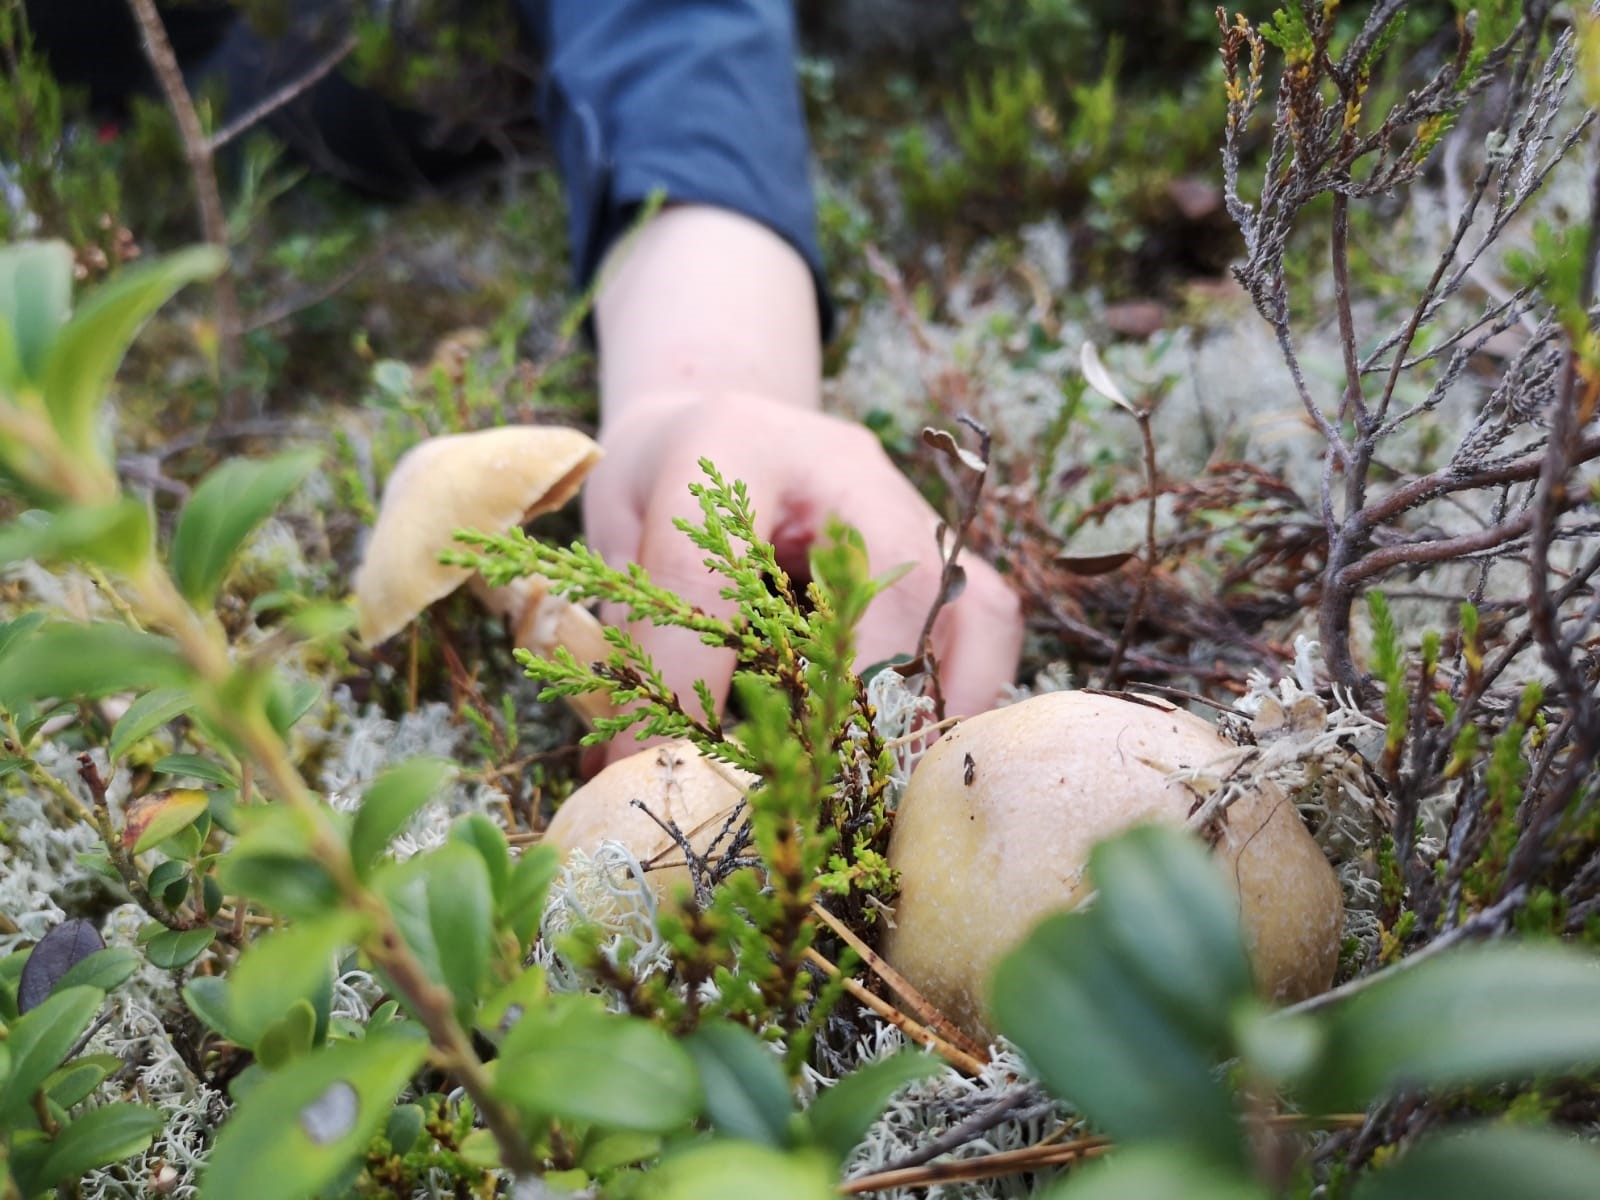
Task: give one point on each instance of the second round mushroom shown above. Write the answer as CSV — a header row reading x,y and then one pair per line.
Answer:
x,y
994,832
672,783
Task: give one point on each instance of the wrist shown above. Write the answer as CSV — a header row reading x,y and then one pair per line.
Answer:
x,y
701,303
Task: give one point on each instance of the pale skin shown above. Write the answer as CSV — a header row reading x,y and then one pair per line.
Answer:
x,y
709,347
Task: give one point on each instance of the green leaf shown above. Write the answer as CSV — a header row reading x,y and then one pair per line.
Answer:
x,y
317,621
288,1037
271,862
574,1061
192,766
461,915
147,714
40,1039
153,819
35,298
390,803
506,1005
747,1094
210,895
1159,1171
106,969
722,1170
207,998
225,810
841,1115
175,948
170,882
311,1119
100,1136
100,864
484,836
11,382
189,841
222,513
535,870
71,1083
1095,1034
1492,1162
1174,923
1278,1046
84,356
1487,1014
404,888
605,1154
287,702
115,535
11,968
70,661
404,1127
12,632
479,1149
284,966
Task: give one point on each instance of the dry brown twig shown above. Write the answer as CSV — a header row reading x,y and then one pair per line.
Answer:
x,y
1521,471
199,152
902,987
973,471
199,155
1100,380
913,1030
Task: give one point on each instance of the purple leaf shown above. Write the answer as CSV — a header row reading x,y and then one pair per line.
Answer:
x,y
56,953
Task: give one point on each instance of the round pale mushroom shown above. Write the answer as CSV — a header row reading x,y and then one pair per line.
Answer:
x,y
677,784
490,480
995,827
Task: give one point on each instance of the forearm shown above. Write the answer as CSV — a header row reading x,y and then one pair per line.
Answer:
x,y
702,303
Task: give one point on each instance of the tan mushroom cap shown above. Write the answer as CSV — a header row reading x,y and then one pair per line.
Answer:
x,y
489,480
995,829
677,784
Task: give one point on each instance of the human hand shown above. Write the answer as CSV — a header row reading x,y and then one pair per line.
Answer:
x,y
801,467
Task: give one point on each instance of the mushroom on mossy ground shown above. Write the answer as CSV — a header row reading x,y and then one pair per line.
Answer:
x,y
995,829
676,784
490,480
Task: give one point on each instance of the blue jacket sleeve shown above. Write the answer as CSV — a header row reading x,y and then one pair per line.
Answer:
x,y
697,98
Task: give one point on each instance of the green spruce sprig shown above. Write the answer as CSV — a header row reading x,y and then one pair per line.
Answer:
x,y
817,821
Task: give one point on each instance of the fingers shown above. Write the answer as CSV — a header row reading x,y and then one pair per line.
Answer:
x,y
896,533
978,641
799,469
612,516
675,563
977,638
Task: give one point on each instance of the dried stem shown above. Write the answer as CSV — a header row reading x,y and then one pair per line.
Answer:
x,y
286,94
1354,404
205,648
1018,1104
901,986
1142,594
987,1166
1490,921
952,576
198,153
132,877
913,1030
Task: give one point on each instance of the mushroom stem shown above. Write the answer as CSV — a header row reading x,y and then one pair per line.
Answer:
x,y
548,621
508,601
